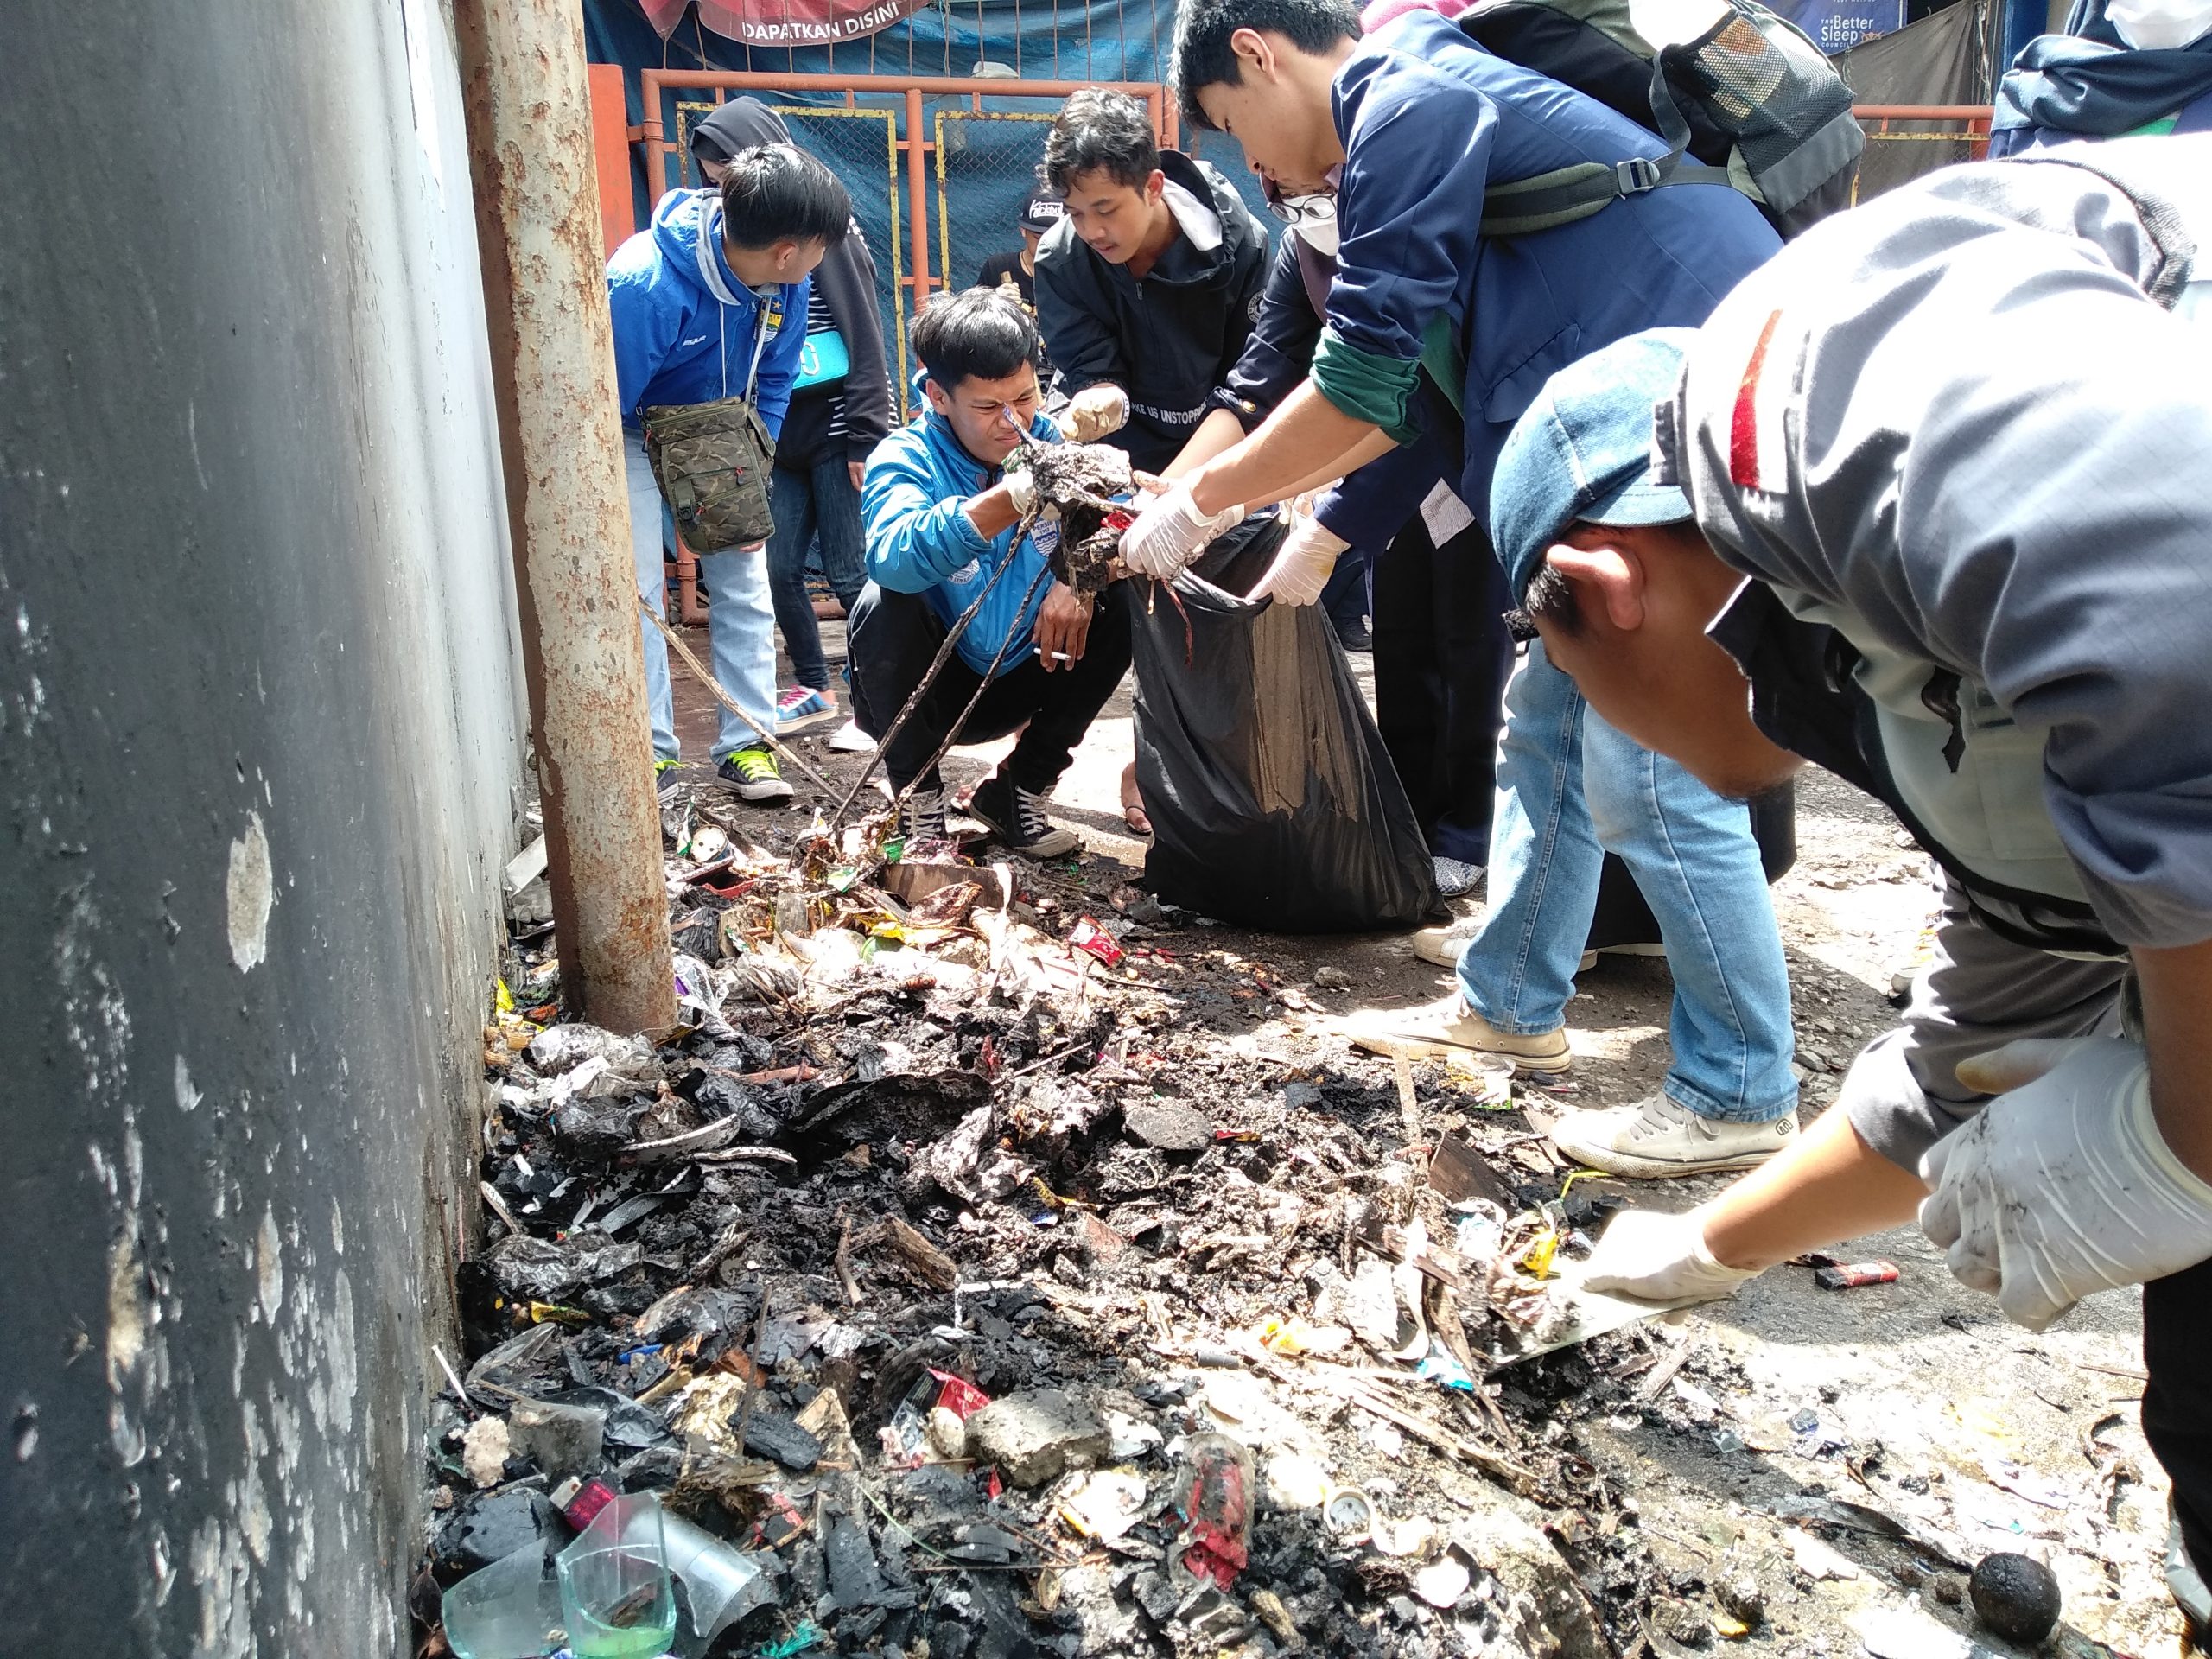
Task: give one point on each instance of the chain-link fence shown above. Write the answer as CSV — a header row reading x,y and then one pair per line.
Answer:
x,y
1904,141
1227,155
988,164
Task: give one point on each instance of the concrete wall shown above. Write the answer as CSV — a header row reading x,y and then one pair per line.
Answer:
x,y
259,752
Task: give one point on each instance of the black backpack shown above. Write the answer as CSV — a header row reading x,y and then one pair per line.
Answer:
x,y
1751,103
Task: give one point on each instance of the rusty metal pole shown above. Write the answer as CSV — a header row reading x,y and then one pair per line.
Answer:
x,y
530,153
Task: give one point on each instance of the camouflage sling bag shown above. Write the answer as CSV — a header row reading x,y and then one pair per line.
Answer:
x,y
712,463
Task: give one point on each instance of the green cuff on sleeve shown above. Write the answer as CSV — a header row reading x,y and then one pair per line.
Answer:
x,y
1367,386
1440,355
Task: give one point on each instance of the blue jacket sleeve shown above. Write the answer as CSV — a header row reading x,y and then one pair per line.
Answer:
x,y
780,359
916,537
648,316
1280,349
1418,155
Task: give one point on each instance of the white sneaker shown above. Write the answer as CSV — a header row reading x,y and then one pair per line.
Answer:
x,y
1661,1137
1450,1026
848,739
1442,945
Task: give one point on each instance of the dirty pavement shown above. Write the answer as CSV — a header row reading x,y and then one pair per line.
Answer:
x,y
1000,1263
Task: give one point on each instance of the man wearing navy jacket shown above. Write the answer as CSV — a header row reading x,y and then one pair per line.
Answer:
x,y
1410,127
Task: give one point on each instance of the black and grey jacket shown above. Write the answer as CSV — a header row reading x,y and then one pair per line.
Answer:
x,y
1169,339
851,414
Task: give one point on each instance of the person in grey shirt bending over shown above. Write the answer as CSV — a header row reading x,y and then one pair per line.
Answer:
x,y
1928,500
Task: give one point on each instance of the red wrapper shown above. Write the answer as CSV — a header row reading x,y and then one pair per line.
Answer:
x,y
1095,941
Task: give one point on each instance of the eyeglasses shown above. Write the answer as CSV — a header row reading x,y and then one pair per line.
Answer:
x,y
1300,210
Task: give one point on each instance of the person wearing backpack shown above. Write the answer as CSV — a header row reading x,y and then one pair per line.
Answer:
x,y
1413,128
709,313
1849,521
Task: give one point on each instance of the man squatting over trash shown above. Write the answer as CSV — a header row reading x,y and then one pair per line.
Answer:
x,y
1937,483
941,514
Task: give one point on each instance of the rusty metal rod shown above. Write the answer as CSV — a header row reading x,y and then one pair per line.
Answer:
x,y
721,694
552,351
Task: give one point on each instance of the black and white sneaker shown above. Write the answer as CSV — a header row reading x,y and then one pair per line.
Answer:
x,y
921,817
755,776
1017,818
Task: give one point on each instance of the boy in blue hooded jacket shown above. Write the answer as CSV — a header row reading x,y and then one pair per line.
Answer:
x,y
708,303
941,514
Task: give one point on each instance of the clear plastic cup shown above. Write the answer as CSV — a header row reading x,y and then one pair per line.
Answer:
x,y
510,1610
615,1587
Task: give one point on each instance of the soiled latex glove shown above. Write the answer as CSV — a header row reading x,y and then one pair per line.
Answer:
x,y
2063,1185
1303,564
1095,411
1022,490
1169,532
1659,1258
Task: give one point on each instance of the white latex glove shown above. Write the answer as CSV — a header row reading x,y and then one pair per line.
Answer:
x,y
1020,490
1095,411
1169,532
1659,1258
2063,1185
1303,564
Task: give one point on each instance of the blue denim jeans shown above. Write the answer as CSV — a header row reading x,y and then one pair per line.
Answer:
x,y
820,501
1570,788
741,625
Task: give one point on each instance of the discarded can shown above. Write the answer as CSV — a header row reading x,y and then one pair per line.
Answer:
x,y
1213,1497
1095,941
1850,1276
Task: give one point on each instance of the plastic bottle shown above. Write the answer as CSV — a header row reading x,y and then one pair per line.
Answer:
x,y
1213,1497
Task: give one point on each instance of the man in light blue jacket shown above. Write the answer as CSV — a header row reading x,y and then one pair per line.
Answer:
x,y
710,302
941,514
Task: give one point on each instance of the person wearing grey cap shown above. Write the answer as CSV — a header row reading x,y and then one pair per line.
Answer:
x,y
1926,501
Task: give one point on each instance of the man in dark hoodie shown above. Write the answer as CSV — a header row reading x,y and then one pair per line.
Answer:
x,y
1146,291
840,410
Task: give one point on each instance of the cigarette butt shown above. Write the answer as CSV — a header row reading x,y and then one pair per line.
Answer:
x,y
1852,1275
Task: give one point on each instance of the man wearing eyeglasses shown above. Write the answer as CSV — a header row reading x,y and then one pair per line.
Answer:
x,y
1410,127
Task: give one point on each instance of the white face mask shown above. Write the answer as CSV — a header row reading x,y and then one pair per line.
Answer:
x,y
2150,25
1317,227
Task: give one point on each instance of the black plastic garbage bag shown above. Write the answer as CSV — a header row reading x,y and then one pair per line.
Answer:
x,y
1272,802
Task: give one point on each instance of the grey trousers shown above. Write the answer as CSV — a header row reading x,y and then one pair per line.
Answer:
x,y
1979,992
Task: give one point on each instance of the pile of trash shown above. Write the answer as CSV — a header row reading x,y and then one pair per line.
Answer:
x,y
943,1287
